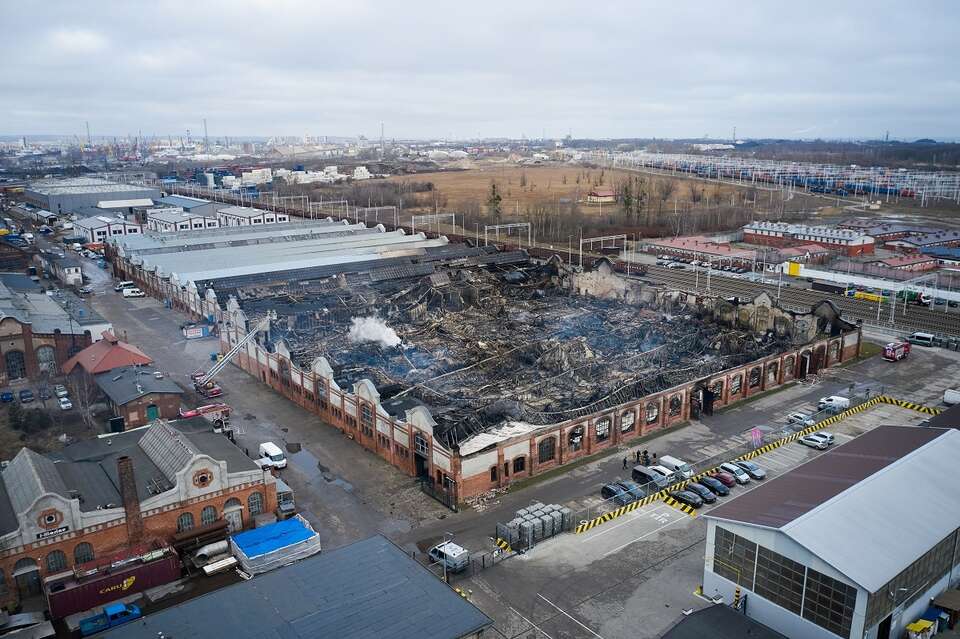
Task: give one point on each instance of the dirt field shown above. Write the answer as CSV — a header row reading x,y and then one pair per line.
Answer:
x,y
521,186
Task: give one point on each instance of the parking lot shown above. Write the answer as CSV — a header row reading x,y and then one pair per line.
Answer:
x,y
633,576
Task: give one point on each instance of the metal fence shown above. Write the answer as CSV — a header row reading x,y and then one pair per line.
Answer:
x,y
447,499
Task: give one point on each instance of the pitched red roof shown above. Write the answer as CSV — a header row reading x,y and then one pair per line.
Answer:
x,y
602,193
105,355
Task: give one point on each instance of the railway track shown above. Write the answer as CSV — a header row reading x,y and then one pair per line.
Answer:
x,y
914,318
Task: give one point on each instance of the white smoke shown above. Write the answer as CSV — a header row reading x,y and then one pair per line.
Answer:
x,y
372,329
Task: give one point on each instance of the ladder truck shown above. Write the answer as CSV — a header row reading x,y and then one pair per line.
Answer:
x,y
203,380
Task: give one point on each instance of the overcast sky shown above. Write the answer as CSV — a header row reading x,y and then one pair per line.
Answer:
x,y
463,69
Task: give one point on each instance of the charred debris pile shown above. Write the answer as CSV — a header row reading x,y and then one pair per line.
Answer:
x,y
480,346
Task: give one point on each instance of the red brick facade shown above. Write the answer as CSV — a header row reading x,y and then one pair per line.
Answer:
x,y
111,537
37,351
135,412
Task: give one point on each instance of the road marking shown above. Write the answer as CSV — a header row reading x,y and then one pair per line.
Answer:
x,y
564,613
645,535
531,623
628,519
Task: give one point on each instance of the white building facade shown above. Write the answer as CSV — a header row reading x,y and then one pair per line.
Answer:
x,y
100,227
245,216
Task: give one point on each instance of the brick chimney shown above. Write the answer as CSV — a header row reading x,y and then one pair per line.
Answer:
x,y
131,501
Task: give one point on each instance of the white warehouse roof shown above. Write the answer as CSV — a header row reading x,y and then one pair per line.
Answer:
x,y
856,507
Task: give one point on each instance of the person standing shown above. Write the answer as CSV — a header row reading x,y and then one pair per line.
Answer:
x,y
624,463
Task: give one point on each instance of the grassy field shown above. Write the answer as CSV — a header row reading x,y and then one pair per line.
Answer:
x,y
521,186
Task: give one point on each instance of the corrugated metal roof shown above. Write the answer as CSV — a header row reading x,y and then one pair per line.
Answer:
x,y
184,202
852,505
368,589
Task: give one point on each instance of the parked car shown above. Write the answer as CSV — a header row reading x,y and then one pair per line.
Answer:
x,y
65,403
686,497
825,436
26,396
724,478
6,397
813,442
752,469
802,419
738,473
617,493
634,490
43,393
701,491
133,292
715,485
85,290
60,390
668,474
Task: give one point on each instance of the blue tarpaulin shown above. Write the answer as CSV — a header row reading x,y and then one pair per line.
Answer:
x,y
271,537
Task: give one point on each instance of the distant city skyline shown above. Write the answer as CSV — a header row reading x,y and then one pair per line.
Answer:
x,y
431,70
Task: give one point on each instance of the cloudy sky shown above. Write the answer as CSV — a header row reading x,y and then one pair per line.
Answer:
x,y
467,69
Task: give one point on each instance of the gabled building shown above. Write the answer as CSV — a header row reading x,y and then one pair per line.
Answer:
x,y
244,216
837,547
107,354
140,394
99,228
99,496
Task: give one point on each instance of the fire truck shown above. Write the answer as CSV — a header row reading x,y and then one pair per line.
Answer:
x,y
895,351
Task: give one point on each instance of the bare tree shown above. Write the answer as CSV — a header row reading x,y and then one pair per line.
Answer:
x,y
83,394
665,189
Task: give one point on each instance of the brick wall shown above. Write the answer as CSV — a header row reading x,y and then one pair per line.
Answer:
x,y
135,412
112,537
661,410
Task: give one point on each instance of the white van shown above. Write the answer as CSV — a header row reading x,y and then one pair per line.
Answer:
x,y
271,456
834,403
951,397
921,339
119,286
133,292
677,465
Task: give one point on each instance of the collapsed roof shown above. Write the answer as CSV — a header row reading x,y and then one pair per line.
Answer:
x,y
484,341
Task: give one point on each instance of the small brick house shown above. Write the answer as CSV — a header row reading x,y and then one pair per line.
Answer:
x,y
140,394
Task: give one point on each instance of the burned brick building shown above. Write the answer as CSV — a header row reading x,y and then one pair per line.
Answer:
x,y
472,368
480,374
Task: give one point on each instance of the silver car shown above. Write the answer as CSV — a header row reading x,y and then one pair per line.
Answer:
x,y
800,418
813,442
738,473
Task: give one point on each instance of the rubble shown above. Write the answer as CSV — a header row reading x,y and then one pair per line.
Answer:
x,y
480,345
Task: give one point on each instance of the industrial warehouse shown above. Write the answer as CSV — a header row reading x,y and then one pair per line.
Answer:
x,y
469,366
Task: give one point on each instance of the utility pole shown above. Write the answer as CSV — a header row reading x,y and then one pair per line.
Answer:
x,y
206,140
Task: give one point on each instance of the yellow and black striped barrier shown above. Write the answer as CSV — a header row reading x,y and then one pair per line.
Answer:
x,y
503,545
766,448
920,408
673,503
